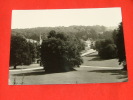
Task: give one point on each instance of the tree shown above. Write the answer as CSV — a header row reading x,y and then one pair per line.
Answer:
x,y
60,52
19,51
106,48
120,46
32,49
114,35
52,34
93,34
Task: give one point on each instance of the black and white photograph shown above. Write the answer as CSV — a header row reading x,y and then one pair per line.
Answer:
x,y
67,46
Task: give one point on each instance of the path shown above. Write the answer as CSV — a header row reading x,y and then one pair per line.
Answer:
x,y
88,52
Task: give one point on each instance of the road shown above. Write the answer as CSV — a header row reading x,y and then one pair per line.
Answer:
x,y
88,52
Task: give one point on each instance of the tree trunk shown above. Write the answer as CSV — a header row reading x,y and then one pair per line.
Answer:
x,y
15,66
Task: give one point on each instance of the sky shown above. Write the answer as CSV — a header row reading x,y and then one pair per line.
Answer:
x,y
66,17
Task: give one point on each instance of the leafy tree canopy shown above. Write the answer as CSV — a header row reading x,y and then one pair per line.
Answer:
x,y
61,52
21,51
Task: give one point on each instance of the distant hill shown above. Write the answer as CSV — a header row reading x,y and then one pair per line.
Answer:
x,y
112,27
83,32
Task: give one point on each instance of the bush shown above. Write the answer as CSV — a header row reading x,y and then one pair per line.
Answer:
x,y
60,53
106,49
108,52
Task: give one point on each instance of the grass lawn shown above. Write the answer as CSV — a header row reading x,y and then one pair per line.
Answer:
x,y
94,60
81,75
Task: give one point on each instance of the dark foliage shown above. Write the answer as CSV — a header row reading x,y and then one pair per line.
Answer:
x,y
61,52
21,51
119,40
82,32
106,49
32,49
120,44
